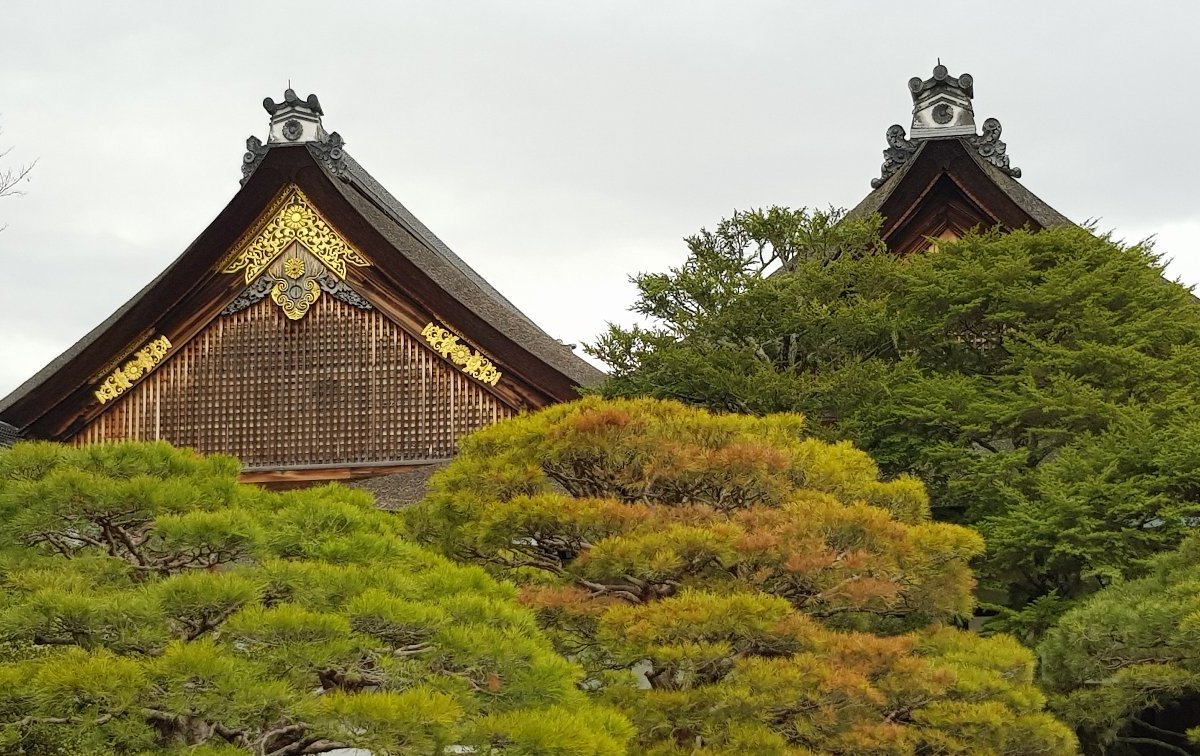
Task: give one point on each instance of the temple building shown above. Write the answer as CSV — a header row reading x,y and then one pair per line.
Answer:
x,y
316,330
947,176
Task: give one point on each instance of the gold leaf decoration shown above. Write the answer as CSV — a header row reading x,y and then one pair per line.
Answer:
x,y
294,306
295,294
468,360
145,360
294,219
293,267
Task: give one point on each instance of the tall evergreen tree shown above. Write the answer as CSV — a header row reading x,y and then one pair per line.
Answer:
x,y
1041,384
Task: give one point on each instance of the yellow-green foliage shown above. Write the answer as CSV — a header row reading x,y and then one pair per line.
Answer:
x,y
150,604
674,495
737,587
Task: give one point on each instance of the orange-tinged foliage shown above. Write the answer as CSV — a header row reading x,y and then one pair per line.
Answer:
x,y
566,599
735,586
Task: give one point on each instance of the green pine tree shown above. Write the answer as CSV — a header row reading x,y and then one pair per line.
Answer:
x,y
1124,668
149,604
738,587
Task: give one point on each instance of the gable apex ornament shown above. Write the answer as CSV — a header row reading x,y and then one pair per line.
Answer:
x,y
296,122
943,109
289,255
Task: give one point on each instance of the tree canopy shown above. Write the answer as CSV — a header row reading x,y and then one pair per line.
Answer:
x,y
1124,667
736,586
150,604
1040,384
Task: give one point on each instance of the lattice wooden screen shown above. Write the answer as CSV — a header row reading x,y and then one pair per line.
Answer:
x,y
341,386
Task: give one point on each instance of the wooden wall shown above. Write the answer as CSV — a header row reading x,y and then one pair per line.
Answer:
x,y
341,386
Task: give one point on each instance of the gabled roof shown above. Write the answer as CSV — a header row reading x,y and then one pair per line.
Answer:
x,y
407,257
947,176
986,196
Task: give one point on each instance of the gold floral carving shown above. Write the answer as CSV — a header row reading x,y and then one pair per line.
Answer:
x,y
294,281
293,220
293,267
145,360
470,361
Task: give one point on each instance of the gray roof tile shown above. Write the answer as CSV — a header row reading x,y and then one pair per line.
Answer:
x,y
8,434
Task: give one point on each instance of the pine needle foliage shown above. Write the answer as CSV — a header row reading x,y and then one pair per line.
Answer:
x,y
149,604
736,586
1124,667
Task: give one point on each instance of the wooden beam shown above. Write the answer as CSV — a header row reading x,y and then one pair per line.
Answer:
x,y
311,475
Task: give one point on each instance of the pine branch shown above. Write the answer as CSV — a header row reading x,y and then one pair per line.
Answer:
x,y
1155,743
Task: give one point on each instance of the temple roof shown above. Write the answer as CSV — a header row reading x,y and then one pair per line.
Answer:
x,y
1037,208
946,175
371,198
407,254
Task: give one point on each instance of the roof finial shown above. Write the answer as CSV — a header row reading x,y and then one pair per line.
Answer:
x,y
296,122
942,104
942,109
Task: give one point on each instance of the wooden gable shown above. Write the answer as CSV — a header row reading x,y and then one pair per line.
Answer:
x,y
343,387
944,194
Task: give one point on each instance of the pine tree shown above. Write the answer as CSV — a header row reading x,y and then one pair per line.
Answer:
x,y
1124,668
735,586
151,604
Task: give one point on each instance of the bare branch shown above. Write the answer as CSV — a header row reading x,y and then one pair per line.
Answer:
x,y
11,179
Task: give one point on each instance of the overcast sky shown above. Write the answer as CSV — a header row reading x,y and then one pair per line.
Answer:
x,y
558,146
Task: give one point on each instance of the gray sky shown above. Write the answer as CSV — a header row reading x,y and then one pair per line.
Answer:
x,y
558,147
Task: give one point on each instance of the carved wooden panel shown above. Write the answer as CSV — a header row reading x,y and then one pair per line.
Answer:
x,y
341,386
